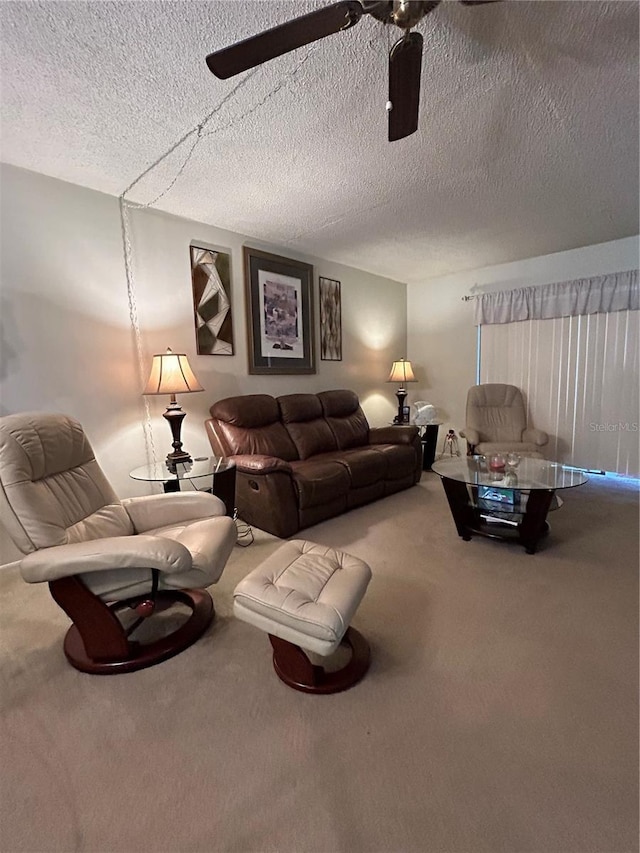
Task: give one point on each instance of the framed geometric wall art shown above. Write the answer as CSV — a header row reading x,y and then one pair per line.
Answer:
x,y
279,314
330,320
211,281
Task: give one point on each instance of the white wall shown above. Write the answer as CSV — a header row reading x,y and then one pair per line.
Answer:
x,y
66,341
373,323
441,331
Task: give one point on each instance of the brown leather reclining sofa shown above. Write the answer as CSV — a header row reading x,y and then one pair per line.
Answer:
x,y
302,458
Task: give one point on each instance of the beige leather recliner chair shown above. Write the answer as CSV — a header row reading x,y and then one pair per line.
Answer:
x,y
496,422
102,556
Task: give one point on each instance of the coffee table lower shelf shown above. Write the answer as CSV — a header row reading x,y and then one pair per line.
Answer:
x,y
525,528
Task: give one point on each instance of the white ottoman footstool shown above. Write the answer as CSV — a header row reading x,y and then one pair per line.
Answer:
x,y
304,597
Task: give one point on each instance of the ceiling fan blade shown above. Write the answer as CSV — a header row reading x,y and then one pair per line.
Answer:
x,y
405,66
284,38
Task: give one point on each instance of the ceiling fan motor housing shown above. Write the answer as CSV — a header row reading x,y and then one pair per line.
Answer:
x,y
407,13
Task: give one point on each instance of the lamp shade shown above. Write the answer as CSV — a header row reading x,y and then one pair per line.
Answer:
x,y
401,371
171,374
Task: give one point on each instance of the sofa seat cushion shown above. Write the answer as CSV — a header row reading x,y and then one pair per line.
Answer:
x,y
364,464
400,460
318,482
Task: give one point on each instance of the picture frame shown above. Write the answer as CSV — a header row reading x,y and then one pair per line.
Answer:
x,y
212,309
330,302
279,303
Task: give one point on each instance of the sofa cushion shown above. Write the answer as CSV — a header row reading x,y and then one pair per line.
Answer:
x,y
365,465
250,425
319,482
303,419
345,418
400,460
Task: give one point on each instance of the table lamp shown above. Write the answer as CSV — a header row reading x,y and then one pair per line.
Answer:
x,y
401,371
171,374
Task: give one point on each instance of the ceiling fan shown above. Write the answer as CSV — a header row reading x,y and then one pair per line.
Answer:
x,y
405,57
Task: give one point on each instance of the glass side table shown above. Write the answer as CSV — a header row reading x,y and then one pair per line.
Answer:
x,y
221,473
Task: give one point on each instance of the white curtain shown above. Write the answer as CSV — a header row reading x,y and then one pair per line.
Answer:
x,y
580,377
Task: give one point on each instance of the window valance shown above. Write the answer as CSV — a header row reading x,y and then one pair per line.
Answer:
x,y
618,291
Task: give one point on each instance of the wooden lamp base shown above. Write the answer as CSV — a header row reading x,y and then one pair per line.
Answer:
x,y
401,394
174,415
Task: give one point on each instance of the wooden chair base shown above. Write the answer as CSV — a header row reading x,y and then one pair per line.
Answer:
x,y
296,670
99,644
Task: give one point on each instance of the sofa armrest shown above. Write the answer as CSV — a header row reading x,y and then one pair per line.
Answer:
x,y
472,435
536,436
267,495
98,555
393,434
260,464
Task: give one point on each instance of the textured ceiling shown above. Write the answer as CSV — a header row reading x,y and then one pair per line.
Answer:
x,y
527,144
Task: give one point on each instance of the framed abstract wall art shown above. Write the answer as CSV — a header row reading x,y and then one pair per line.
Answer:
x,y
330,320
279,314
211,281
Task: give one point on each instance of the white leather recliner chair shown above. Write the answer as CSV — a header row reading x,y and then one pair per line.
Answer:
x,y
496,422
102,556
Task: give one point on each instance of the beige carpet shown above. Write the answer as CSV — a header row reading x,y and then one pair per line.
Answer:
x,y
499,714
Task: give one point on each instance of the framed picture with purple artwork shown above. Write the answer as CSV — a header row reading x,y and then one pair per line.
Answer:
x,y
330,320
279,314
211,282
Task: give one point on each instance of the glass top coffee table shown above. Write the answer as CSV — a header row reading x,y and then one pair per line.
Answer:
x,y
220,471
511,506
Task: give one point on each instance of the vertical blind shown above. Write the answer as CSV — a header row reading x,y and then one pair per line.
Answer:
x,y
579,375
